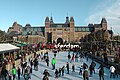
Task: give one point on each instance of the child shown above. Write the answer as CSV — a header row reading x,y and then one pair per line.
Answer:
x,y
73,68
80,72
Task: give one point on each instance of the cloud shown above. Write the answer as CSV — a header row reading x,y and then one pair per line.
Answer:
x,y
111,13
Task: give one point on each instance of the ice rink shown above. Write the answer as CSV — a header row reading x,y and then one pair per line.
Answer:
x,y
61,60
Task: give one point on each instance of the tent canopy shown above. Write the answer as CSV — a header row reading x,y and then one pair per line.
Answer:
x,y
7,47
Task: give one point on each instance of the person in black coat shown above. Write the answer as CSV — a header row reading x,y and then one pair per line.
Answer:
x,y
67,66
69,57
101,73
18,73
47,61
73,68
4,73
31,63
63,70
56,73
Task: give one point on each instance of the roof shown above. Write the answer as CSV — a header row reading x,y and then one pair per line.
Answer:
x,y
103,20
13,33
97,25
110,31
59,25
7,47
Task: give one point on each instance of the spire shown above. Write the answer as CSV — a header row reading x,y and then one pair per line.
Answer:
x,y
67,20
51,20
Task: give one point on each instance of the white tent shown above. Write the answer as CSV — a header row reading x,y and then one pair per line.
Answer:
x,y
7,47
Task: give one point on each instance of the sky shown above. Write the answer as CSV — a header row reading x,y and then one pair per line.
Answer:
x,y
84,12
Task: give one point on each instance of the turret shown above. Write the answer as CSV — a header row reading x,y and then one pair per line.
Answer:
x,y
72,22
51,20
47,22
67,20
104,24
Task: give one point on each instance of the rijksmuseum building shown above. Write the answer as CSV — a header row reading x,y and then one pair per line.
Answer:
x,y
53,32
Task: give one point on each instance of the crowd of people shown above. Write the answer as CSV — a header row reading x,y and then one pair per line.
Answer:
x,y
26,67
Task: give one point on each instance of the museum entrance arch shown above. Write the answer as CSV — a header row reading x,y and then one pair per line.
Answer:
x,y
60,40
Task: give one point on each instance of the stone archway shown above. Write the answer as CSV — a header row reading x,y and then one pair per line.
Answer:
x,y
60,40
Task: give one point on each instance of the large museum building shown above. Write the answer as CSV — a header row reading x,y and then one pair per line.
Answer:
x,y
55,32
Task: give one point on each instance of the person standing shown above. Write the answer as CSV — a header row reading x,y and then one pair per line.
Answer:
x,y
47,61
117,71
31,63
91,69
76,57
18,73
72,60
56,73
85,74
4,73
62,70
101,73
14,72
112,70
53,63
73,68
67,66
69,57
80,71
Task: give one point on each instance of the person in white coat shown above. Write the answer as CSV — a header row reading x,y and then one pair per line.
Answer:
x,y
112,72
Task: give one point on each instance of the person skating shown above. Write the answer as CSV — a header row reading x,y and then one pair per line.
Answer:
x,y
59,72
112,71
85,74
69,56
72,60
47,61
53,63
116,71
31,63
73,68
91,69
9,75
67,66
63,70
80,71
56,73
18,71
14,72
93,64
101,73
76,57
4,73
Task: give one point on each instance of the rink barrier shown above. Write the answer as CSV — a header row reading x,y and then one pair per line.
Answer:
x,y
18,62
101,61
